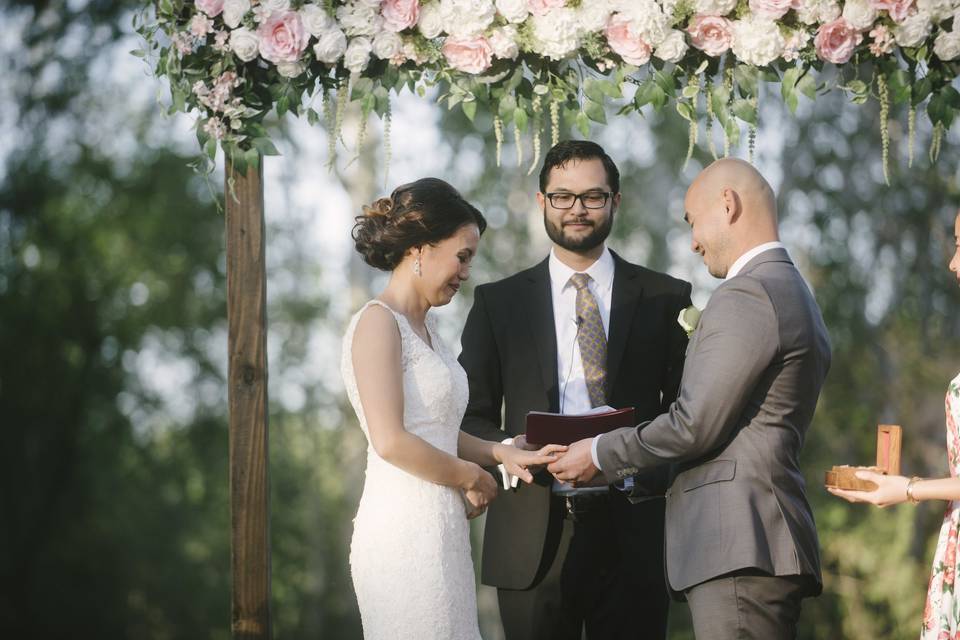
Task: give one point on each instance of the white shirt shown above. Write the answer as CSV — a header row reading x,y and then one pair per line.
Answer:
x,y
734,269
574,397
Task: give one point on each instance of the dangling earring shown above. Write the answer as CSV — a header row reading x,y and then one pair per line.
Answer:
x,y
416,265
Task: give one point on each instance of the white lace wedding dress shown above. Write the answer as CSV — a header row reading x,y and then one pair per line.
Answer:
x,y
410,554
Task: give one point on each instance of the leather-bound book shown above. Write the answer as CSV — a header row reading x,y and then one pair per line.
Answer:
x,y
555,428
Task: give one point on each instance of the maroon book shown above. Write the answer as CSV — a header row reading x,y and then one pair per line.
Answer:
x,y
554,428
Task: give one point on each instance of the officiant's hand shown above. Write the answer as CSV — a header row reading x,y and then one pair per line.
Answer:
x,y
522,462
576,465
479,490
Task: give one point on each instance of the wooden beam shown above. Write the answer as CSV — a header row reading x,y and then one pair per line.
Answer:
x,y
247,393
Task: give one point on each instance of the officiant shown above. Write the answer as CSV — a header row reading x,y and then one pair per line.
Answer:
x,y
584,328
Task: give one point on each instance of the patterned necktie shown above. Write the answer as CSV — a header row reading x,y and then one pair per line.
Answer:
x,y
592,340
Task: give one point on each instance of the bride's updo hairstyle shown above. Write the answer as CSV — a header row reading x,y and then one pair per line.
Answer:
x,y
418,213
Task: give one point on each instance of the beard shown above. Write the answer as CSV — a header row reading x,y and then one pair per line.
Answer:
x,y
590,241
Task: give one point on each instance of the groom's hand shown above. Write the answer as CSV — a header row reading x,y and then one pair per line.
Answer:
x,y
576,465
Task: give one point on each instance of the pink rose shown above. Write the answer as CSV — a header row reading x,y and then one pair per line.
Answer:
x,y
773,9
542,7
836,41
212,8
399,14
631,48
948,575
711,34
282,37
471,54
899,10
950,557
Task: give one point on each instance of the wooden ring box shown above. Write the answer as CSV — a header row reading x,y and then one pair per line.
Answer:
x,y
888,462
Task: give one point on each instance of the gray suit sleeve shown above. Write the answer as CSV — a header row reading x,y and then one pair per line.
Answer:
x,y
735,342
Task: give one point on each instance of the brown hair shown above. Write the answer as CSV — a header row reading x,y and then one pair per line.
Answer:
x,y
422,212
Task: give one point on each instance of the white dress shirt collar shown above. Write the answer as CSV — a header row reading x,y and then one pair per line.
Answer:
x,y
742,261
601,271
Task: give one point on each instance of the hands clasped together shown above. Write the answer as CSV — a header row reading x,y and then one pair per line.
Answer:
x,y
573,465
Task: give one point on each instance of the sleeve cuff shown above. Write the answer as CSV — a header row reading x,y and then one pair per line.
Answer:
x,y
593,452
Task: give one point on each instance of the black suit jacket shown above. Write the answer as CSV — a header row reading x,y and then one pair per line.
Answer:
x,y
510,356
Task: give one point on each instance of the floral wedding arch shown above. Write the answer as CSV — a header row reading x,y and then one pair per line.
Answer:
x,y
530,65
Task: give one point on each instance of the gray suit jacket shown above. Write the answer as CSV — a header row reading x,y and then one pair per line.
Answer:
x,y
754,369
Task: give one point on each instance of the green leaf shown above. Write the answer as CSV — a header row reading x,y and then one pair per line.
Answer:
x,y
469,109
592,90
644,94
252,158
746,77
140,53
595,111
921,90
666,82
732,129
265,147
744,110
690,91
899,83
788,88
508,104
610,89
808,86
312,117
283,105
686,110
659,98
210,148
520,118
583,124
361,87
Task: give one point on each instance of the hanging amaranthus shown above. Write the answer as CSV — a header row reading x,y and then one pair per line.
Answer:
x,y
519,142
537,125
498,134
884,94
693,125
387,149
752,129
709,125
911,130
935,141
728,85
554,123
342,94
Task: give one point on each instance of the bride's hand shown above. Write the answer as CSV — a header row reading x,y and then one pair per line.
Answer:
x,y
890,490
523,463
479,490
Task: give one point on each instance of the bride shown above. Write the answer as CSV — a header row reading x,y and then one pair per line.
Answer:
x,y
410,553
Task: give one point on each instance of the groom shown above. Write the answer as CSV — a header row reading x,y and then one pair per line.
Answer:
x,y
565,559
741,541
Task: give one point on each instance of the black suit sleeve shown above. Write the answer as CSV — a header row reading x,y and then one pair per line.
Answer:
x,y
481,360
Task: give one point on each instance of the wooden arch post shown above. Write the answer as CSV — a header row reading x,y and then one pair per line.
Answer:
x,y
247,396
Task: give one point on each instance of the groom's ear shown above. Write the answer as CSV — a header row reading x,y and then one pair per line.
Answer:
x,y
732,204
541,200
614,203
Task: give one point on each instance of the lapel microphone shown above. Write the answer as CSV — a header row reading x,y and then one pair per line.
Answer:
x,y
566,379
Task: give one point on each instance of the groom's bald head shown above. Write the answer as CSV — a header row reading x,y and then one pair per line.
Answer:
x,y
731,209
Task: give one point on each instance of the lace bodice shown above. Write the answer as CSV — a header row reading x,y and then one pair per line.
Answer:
x,y
434,384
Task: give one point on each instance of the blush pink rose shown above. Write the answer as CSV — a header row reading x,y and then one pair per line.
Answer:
x,y
836,41
282,37
631,48
399,14
542,7
899,10
711,34
470,54
212,8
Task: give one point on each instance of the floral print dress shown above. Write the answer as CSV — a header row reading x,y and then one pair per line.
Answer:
x,y
941,616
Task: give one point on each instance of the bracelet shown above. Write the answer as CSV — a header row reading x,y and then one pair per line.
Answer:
x,y
910,496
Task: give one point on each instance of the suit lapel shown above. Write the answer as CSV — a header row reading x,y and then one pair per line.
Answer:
x,y
543,329
627,290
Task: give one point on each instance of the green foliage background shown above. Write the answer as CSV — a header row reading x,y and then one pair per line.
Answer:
x,y
114,515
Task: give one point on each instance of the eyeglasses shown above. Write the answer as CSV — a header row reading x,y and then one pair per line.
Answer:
x,y
590,199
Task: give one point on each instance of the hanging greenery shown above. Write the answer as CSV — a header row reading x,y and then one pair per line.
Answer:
x,y
233,62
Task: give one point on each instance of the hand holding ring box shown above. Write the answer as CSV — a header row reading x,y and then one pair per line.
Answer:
x,y
888,462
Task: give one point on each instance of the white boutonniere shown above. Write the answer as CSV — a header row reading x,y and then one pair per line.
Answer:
x,y
688,319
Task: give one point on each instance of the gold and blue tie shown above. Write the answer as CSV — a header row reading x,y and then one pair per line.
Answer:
x,y
592,340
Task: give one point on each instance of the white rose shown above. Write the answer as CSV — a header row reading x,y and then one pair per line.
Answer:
x,y
503,41
715,7
357,19
556,34
860,14
673,47
938,10
233,12
593,15
947,44
757,40
817,11
357,55
244,43
913,31
275,5
513,11
647,21
331,44
430,23
315,19
465,18
290,69
387,44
